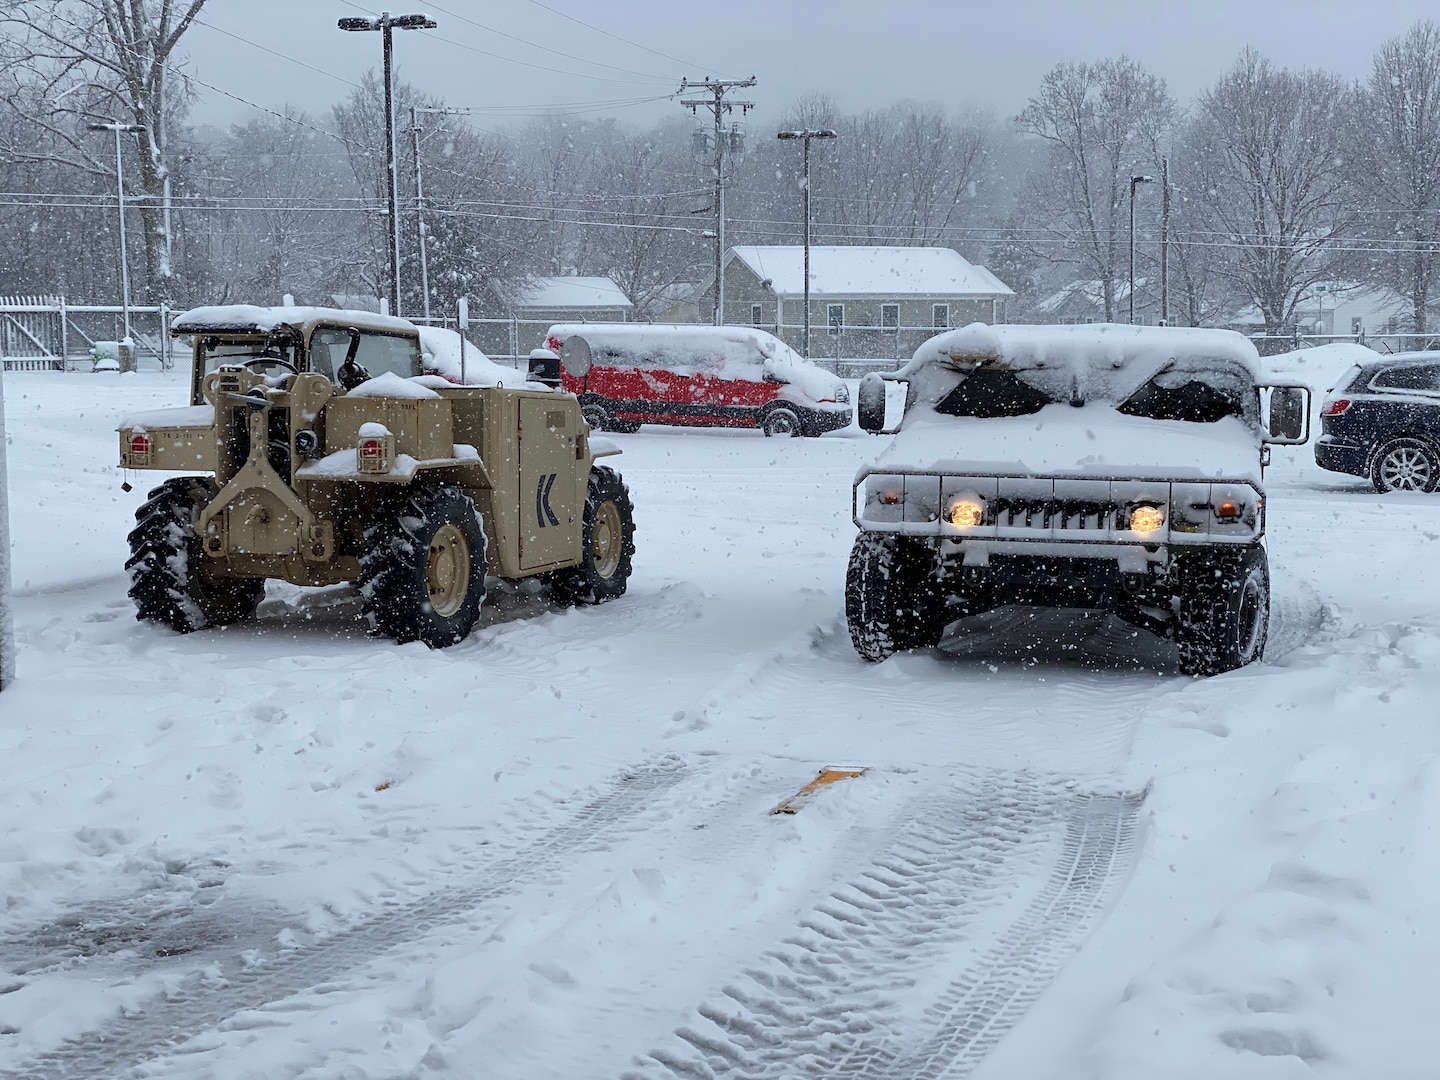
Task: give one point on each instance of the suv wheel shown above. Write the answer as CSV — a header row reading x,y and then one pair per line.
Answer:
x,y
1224,614
781,422
607,544
170,578
422,572
892,596
1405,465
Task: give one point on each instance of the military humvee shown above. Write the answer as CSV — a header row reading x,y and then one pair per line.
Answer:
x,y
318,452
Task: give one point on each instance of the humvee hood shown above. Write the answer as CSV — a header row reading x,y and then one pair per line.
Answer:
x,y
1092,441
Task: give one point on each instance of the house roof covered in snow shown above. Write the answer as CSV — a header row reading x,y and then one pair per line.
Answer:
x,y
870,271
566,292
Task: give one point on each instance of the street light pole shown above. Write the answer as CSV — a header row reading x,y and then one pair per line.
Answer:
x,y
805,135
385,23
120,203
1135,181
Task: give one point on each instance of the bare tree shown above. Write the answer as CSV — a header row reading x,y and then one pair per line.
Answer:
x,y
116,55
1272,179
1103,122
1397,155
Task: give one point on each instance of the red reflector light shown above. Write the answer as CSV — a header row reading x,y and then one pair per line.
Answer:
x,y
1335,407
139,444
372,448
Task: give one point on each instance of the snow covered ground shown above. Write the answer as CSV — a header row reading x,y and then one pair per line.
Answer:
x,y
288,849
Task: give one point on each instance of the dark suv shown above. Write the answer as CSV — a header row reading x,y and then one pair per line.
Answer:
x,y
1382,422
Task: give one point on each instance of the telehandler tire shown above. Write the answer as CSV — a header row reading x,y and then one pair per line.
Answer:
x,y
607,544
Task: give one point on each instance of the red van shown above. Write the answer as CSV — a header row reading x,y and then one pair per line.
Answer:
x,y
698,376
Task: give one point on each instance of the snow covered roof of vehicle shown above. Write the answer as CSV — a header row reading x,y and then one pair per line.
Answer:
x,y
248,318
870,271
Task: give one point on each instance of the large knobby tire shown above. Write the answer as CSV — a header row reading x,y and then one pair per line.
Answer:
x,y
1224,615
892,596
1405,464
422,571
607,544
783,423
171,578
597,416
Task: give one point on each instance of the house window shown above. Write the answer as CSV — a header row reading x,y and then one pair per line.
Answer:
x,y
757,314
889,318
835,315
940,319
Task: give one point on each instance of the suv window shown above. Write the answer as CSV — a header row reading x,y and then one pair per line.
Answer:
x,y
1411,377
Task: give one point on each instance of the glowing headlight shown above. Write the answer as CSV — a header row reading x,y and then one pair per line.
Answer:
x,y
1146,519
966,513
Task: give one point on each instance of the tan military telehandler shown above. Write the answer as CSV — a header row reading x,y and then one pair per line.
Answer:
x,y
317,452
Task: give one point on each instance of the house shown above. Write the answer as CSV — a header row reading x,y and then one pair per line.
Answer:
x,y
1084,302
513,319
1342,310
871,302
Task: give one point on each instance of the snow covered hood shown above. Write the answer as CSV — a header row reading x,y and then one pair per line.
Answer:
x,y
450,355
1094,441
247,318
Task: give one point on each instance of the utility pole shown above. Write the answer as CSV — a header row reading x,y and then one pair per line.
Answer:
x,y
1165,241
385,23
806,135
415,130
726,143
1135,181
120,202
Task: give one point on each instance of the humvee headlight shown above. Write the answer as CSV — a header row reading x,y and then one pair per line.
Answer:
x,y
1146,519
967,513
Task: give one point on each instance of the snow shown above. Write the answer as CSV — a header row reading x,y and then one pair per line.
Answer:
x,y
372,430
290,849
442,350
264,319
870,271
179,416
388,384
568,292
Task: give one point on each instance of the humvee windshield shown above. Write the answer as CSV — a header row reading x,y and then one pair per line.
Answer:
x,y
217,352
1196,394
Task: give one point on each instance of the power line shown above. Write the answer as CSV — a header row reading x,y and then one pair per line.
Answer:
x,y
617,37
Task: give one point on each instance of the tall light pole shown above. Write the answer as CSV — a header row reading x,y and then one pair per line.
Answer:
x,y
385,23
1135,181
1165,241
805,135
120,202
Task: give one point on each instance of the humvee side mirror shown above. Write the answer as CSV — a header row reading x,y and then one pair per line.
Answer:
x,y
870,404
1288,423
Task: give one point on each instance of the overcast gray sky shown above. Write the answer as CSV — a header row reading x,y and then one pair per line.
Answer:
x,y
990,52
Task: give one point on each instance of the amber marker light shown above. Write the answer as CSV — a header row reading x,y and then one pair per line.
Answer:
x,y
966,513
890,496
1228,510
1146,519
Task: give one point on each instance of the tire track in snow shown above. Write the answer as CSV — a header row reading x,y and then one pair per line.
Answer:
x,y
202,1004
837,998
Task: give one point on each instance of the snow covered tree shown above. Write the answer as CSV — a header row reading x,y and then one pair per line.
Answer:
x,y
109,58
1270,171
1104,122
1397,166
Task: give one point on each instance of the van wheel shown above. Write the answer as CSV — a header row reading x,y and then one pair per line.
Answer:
x,y
1224,614
892,598
607,544
422,571
782,423
596,416
170,578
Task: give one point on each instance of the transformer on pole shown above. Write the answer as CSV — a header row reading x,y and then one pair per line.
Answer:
x,y
725,144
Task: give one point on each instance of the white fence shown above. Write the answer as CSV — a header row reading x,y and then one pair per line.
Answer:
x,y
48,333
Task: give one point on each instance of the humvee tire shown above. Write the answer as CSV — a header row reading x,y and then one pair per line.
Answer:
x,y
422,571
168,579
892,601
608,544
1224,612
